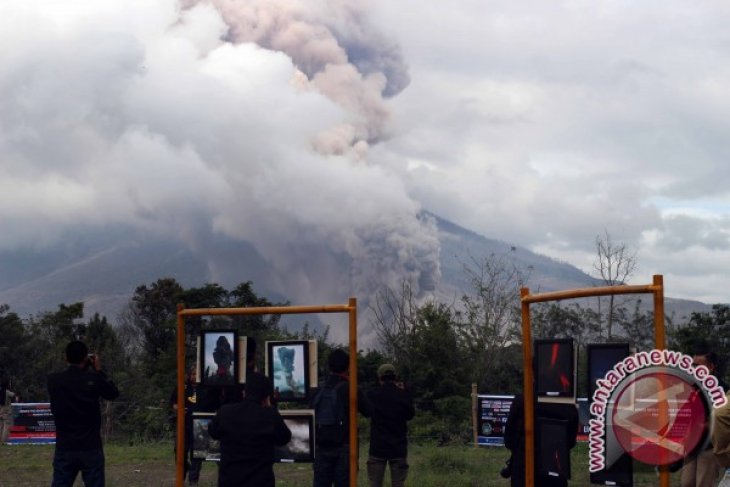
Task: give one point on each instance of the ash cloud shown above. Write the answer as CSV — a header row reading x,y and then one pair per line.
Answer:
x,y
250,120
339,54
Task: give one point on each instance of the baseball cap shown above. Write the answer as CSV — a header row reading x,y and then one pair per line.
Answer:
x,y
386,369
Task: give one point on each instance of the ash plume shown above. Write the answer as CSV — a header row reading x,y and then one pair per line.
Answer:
x,y
249,120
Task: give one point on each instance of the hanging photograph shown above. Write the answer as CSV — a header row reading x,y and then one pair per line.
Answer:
x,y
220,353
204,447
287,365
555,369
301,446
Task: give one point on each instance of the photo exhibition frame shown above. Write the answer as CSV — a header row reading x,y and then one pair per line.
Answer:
x,y
555,370
204,447
601,358
219,357
288,367
301,447
553,454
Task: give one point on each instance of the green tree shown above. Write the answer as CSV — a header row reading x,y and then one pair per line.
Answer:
x,y
705,331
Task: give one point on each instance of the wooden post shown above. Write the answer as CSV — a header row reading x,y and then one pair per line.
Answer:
x,y
180,449
660,342
354,453
528,392
474,417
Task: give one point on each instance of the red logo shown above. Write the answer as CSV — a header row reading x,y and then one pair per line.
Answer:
x,y
660,417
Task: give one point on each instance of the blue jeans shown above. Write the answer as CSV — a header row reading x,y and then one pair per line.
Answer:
x,y
332,466
67,464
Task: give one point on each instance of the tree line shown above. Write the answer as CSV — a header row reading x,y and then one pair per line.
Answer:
x,y
439,348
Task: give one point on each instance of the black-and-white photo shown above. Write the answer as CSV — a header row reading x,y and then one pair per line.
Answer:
x,y
301,446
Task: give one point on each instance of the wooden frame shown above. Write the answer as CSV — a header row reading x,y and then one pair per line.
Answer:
x,y
301,447
288,369
526,299
350,309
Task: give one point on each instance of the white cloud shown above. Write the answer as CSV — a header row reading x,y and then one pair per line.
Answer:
x,y
318,130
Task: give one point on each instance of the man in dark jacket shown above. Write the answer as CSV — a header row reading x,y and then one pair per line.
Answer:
x,y
248,432
391,408
332,458
193,403
75,395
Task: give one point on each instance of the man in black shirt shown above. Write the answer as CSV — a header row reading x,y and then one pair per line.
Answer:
x,y
193,403
75,395
248,432
391,408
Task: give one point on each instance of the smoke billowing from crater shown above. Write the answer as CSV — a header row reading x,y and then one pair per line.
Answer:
x,y
250,120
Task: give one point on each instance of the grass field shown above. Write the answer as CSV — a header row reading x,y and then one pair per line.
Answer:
x,y
153,465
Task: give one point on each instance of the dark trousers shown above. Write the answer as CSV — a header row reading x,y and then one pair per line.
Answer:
x,y
398,471
191,466
332,467
67,465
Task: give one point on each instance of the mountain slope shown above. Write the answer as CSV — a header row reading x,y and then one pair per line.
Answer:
x,y
103,271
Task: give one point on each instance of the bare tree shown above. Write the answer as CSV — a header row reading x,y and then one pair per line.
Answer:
x,y
395,315
615,263
491,312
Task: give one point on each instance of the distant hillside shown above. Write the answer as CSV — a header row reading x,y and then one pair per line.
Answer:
x,y
104,270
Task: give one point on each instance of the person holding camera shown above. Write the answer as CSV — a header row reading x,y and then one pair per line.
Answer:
x,y
74,395
391,407
248,432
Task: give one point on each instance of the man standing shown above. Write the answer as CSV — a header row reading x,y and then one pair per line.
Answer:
x,y
391,408
248,432
331,404
704,470
193,402
75,395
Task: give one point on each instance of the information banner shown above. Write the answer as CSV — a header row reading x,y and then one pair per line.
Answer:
x,y
492,416
584,416
32,424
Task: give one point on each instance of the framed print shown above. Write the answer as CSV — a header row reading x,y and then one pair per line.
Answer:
x,y
204,447
555,364
601,358
287,365
219,358
553,454
301,446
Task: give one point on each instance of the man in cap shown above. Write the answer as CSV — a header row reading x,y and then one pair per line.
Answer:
x,y
248,432
391,407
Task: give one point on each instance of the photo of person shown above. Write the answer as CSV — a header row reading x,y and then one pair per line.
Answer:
x,y
288,369
300,448
219,358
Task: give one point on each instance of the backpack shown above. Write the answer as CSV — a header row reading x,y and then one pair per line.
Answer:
x,y
330,417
